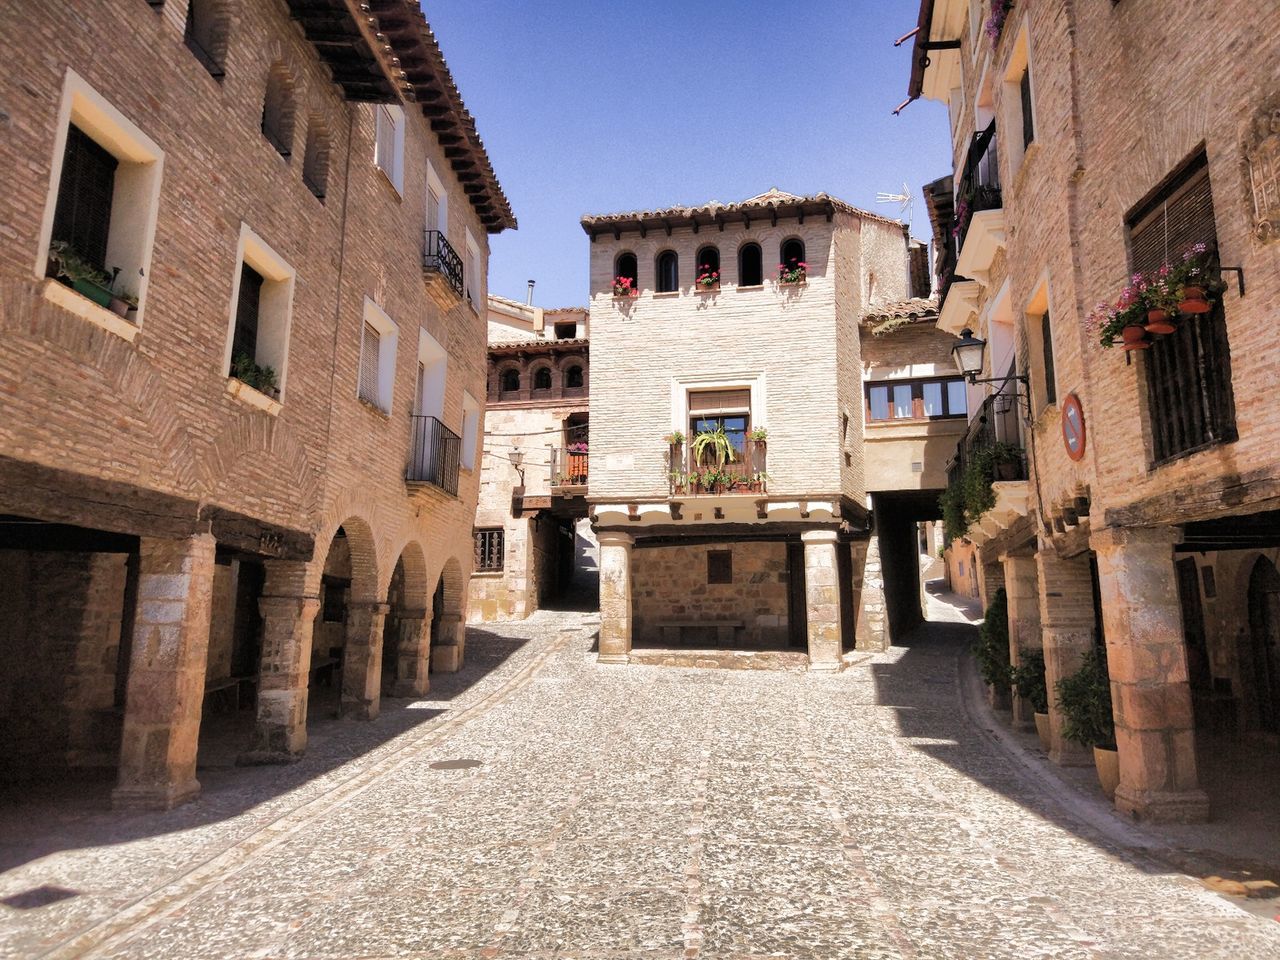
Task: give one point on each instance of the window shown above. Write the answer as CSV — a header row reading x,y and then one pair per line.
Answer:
x,y
470,430
719,566
626,266
566,331
668,270
82,219
1050,375
437,202
277,110
388,149
103,199
573,378
1028,117
473,274
368,387
542,379
378,341
488,550
257,352
916,399
509,382
727,410
750,265
1188,372
432,373
791,254
707,273
206,34
315,159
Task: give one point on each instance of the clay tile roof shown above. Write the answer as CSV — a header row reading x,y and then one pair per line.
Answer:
x,y
886,317
545,345
769,205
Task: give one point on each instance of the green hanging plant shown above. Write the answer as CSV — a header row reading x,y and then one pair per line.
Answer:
x,y
717,443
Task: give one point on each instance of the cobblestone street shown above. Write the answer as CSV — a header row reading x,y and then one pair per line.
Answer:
x,y
642,812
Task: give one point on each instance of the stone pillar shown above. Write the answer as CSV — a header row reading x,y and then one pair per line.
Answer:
x,y
362,660
873,631
1147,660
413,654
990,578
1022,589
822,597
447,645
166,674
615,596
284,668
1066,629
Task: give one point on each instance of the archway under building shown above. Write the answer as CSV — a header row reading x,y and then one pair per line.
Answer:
x,y
447,636
405,633
902,521
346,641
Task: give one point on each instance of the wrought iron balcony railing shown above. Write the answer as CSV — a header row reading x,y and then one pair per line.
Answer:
x,y
440,259
434,454
980,184
745,475
995,422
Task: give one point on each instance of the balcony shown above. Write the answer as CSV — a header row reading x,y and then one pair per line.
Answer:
x,y
568,469
434,455
745,475
442,271
995,428
980,225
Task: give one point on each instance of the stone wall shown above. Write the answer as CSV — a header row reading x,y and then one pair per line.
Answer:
x,y
670,584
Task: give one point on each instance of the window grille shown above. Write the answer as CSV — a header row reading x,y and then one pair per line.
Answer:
x,y
369,349
245,340
83,217
1188,372
488,550
1028,117
1050,376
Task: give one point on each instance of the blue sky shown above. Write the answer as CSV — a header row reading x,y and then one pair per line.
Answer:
x,y
596,106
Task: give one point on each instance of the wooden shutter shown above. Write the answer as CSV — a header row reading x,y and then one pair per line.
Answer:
x,y
1188,372
1046,337
82,219
245,340
719,401
385,144
369,349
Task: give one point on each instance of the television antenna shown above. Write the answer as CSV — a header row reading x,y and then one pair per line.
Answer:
x,y
904,201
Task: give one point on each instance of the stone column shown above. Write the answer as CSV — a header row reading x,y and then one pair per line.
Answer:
x,y
1147,660
1022,589
413,654
284,668
362,660
615,596
166,674
873,631
1066,629
447,646
822,598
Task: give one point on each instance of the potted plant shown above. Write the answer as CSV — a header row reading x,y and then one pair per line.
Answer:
x,y
1006,461
707,279
675,438
1125,319
991,650
624,288
792,274
714,444
1028,680
79,274
1195,281
1085,701
758,435
251,374
996,18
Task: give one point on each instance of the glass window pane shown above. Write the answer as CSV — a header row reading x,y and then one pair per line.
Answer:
x,y
902,401
879,403
956,402
933,400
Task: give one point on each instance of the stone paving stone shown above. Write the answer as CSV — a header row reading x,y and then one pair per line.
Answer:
x,y
646,812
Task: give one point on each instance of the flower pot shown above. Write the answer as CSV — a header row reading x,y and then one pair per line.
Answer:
x,y
94,291
1159,322
1006,471
1193,300
119,306
1135,338
1042,729
1108,764
704,288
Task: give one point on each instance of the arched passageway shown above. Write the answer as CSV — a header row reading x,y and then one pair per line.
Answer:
x,y
447,637
406,640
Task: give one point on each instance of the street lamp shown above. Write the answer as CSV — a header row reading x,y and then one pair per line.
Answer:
x,y
517,460
968,354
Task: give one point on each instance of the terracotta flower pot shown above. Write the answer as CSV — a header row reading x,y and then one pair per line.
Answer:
x,y
1159,321
1135,338
1193,300
1042,729
1108,764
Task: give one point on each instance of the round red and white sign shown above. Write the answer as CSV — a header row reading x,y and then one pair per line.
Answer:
x,y
1073,432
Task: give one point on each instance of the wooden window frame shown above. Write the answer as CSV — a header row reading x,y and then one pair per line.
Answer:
x,y
917,399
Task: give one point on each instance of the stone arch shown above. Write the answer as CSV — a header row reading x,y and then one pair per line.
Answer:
x,y
542,377
315,157
406,638
279,108
366,585
447,629
509,376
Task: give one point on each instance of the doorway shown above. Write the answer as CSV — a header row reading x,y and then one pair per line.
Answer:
x,y
797,601
1264,635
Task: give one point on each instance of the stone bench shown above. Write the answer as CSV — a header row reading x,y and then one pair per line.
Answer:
x,y
672,630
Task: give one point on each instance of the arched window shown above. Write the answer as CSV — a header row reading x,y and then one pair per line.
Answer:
x,y
510,382
626,279
315,161
573,377
668,272
542,378
206,34
750,265
791,258
707,274
277,110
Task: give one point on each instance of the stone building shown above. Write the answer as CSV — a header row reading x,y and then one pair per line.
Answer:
x,y
533,542
1148,522
695,332
243,269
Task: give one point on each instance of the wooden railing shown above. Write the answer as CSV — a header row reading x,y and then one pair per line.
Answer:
x,y
568,468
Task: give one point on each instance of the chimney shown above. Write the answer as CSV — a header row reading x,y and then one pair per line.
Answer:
x,y
529,300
